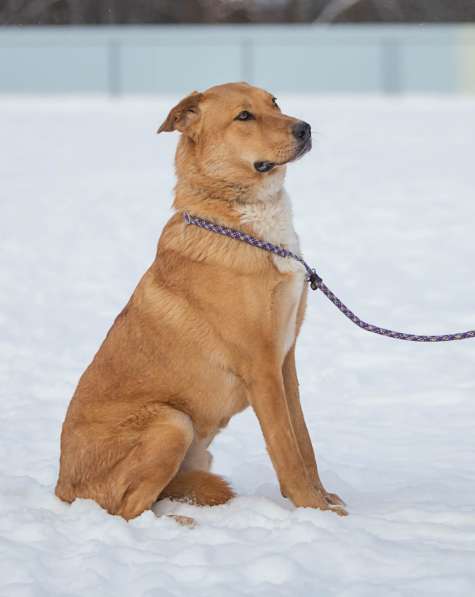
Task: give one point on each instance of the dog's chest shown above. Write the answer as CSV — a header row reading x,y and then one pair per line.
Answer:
x,y
288,302
272,221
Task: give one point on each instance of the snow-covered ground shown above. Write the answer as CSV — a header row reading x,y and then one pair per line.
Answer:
x,y
385,206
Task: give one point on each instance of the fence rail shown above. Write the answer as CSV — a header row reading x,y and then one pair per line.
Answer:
x,y
176,59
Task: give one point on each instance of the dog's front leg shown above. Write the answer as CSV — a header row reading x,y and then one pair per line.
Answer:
x,y
267,397
291,385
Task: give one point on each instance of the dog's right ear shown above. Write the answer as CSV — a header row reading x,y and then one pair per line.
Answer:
x,y
184,115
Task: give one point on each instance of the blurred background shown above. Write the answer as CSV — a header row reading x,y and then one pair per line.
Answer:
x,y
172,46
94,12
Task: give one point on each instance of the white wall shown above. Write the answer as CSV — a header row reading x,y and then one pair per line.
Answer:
x,y
303,58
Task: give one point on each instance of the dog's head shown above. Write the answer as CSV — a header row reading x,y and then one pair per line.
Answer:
x,y
238,133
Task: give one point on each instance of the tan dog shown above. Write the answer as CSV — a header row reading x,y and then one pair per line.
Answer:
x,y
209,330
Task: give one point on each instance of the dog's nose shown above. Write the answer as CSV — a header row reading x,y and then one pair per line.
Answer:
x,y
302,131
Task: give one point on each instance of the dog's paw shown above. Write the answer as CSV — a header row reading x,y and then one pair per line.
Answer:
x,y
332,502
334,499
185,521
338,510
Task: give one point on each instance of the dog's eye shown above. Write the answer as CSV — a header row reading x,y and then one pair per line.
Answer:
x,y
244,115
274,101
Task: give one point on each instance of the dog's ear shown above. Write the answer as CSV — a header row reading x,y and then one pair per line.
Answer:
x,y
184,115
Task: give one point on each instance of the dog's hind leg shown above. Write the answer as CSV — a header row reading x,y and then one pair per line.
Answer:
x,y
137,480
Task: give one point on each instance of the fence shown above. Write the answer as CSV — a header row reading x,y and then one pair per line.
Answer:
x,y
176,59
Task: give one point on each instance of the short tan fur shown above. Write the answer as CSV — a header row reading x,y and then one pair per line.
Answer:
x,y
209,330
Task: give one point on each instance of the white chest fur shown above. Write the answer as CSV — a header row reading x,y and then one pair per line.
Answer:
x,y
271,220
289,327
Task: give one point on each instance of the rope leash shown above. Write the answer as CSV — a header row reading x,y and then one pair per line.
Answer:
x,y
316,283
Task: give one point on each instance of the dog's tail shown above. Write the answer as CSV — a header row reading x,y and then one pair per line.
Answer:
x,y
198,487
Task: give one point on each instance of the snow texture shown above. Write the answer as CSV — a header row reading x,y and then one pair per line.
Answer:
x,y
385,207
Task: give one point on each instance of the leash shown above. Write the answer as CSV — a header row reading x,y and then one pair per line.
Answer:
x,y
316,282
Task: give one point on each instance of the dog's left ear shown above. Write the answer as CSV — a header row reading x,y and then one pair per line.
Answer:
x,y
184,115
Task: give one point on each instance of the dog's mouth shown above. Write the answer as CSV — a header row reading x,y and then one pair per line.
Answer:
x,y
266,166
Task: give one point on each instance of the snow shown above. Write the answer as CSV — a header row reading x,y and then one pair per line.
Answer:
x,y
385,207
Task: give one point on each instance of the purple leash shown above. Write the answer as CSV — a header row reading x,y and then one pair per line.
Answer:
x,y
316,283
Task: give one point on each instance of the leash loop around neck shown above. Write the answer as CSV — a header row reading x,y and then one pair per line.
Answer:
x,y
316,282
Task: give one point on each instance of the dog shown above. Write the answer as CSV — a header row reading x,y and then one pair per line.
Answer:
x,y
210,329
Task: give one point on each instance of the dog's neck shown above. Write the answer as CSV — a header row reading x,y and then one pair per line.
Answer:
x,y
263,209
